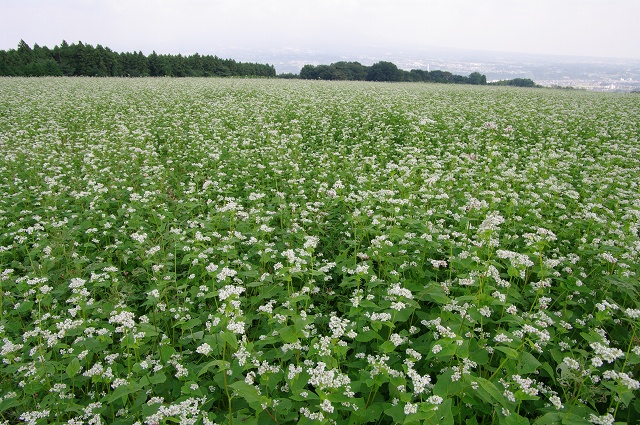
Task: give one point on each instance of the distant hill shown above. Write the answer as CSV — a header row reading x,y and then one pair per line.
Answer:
x,y
84,59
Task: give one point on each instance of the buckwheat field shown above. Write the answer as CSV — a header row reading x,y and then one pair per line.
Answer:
x,y
229,251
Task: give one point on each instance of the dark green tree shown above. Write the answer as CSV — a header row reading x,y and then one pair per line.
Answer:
x,y
308,72
384,71
477,78
349,71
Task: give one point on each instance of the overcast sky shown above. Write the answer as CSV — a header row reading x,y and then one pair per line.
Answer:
x,y
606,28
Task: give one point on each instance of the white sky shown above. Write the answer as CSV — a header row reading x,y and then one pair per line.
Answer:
x,y
607,28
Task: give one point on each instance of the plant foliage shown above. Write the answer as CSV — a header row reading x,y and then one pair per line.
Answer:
x,y
266,251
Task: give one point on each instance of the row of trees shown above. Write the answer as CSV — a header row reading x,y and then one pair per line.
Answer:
x,y
84,59
384,71
516,82
387,71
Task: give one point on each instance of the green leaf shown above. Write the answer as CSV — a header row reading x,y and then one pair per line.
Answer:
x,y
444,414
515,419
572,419
8,403
190,324
157,378
513,272
229,338
435,294
489,392
33,388
249,393
625,395
528,363
166,352
549,370
298,298
73,367
310,396
25,306
521,395
478,355
551,418
396,412
367,336
287,335
222,365
205,368
387,347
510,352
122,391
370,414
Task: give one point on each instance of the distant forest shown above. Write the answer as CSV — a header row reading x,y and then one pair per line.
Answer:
x,y
387,71
84,59
381,71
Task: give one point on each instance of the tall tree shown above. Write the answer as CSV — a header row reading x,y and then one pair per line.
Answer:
x,y
384,71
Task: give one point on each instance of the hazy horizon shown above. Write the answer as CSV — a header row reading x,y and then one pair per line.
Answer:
x,y
570,28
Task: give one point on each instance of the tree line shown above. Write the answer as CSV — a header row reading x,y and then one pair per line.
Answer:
x,y
516,82
387,71
86,60
383,71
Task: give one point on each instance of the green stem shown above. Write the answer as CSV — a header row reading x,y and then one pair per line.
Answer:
x,y
226,389
624,365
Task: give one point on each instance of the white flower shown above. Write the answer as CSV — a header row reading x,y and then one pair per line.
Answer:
x,y
632,313
608,354
32,417
224,273
204,349
396,339
573,364
236,327
485,311
139,237
608,257
410,408
607,419
326,406
310,242
435,399
555,400
229,290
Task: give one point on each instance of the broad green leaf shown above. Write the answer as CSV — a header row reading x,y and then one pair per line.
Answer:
x,y
367,336
249,393
229,338
8,403
387,347
489,391
528,363
190,324
515,419
157,378
287,335
73,367
122,391
510,352
550,418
